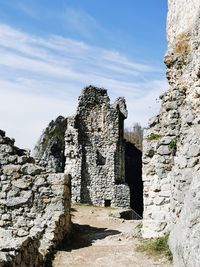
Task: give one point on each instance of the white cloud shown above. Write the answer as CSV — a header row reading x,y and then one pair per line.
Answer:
x,y
25,115
80,21
42,78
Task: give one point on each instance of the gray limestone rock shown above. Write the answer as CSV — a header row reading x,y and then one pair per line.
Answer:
x,y
24,198
31,169
163,150
194,151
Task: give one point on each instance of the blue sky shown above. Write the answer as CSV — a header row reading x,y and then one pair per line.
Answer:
x,y
50,50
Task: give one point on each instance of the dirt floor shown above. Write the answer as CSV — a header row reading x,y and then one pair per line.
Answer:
x,y
101,240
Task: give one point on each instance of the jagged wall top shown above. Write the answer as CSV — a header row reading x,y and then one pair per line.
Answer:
x,y
92,95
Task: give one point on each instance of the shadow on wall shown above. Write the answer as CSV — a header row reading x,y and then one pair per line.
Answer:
x,y
133,176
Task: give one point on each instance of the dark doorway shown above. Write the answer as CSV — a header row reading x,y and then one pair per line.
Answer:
x,y
133,176
107,203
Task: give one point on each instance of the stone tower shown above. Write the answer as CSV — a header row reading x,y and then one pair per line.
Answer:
x,y
95,150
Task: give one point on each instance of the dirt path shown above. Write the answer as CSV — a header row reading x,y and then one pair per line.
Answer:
x,y
103,241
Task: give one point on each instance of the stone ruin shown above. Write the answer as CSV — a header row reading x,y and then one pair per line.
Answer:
x,y
95,150
34,203
34,208
171,150
103,166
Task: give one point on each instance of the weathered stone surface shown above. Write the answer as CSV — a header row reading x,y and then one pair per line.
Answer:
x,y
163,150
10,169
185,236
21,183
31,169
24,198
194,151
178,142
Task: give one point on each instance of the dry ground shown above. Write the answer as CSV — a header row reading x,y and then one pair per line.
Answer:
x,y
100,240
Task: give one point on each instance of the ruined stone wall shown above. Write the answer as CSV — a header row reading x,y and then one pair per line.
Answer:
x,y
34,208
171,161
94,150
49,150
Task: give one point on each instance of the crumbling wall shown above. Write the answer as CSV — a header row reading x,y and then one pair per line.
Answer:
x,y
49,150
172,143
34,208
94,150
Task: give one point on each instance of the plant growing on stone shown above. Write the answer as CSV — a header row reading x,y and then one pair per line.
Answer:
x,y
173,144
153,136
156,246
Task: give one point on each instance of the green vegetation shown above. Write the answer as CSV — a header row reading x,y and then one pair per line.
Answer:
x,y
156,246
153,136
173,144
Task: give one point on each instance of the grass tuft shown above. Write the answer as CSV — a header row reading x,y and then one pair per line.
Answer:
x,y
153,136
173,144
156,246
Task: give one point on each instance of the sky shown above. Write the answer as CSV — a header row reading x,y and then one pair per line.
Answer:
x,y
50,50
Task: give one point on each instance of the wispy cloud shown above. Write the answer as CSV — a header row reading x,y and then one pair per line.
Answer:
x,y
81,22
24,115
27,7
42,77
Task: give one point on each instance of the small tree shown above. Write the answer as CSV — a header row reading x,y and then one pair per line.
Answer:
x,y
134,135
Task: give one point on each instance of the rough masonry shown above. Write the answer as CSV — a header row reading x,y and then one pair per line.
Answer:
x,y
106,169
95,150
34,208
171,160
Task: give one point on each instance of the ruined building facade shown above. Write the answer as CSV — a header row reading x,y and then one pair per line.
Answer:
x,y
95,150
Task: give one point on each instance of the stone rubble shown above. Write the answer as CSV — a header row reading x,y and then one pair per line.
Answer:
x,y
34,208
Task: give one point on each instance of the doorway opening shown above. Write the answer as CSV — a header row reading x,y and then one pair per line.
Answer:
x,y
133,176
107,202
